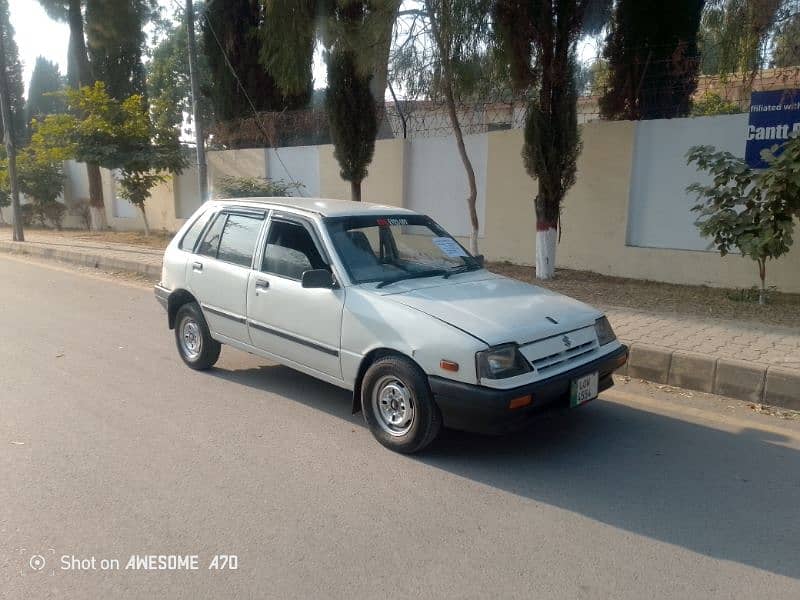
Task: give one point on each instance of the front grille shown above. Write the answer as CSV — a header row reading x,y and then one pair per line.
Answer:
x,y
554,360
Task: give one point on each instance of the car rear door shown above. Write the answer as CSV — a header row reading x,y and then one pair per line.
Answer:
x,y
285,319
219,271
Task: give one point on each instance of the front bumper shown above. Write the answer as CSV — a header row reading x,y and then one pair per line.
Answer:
x,y
485,410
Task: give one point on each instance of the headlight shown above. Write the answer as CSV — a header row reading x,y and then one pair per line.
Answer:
x,y
605,334
501,362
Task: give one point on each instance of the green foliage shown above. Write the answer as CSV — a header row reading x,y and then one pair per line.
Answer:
x,y
735,33
254,187
352,115
653,55
42,99
746,210
235,25
41,180
168,79
116,37
712,104
288,36
116,135
787,43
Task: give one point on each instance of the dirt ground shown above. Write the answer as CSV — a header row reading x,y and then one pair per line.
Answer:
x,y
691,300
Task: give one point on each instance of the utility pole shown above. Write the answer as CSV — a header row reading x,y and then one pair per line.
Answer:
x,y
202,168
8,135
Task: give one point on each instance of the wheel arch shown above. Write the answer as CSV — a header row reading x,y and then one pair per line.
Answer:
x,y
177,299
369,358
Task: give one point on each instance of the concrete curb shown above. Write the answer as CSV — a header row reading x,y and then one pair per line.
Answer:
x,y
701,372
738,379
85,259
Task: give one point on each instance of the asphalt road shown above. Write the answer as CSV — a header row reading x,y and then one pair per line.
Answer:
x,y
110,447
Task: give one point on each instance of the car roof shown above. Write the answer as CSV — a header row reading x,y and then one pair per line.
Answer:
x,y
326,207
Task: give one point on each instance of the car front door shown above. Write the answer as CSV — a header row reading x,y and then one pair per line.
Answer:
x,y
219,271
299,324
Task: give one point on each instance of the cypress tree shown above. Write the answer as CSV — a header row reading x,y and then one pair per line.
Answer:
x,y
45,80
652,51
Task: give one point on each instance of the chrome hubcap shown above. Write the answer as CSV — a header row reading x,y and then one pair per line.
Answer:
x,y
191,338
393,406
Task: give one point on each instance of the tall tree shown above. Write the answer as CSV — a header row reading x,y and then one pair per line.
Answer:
x,y
115,37
539,39
16,85
43,100
80,74
7,37
231,34
654,59
735,35
442,54
787,43
168,79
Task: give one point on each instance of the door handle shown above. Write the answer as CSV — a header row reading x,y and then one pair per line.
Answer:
x,y
261,284
197,267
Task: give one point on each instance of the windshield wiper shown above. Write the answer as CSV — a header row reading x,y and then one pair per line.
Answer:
x,y
462,269
432,273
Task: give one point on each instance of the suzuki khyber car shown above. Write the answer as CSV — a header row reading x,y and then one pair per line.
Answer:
x,y
384,302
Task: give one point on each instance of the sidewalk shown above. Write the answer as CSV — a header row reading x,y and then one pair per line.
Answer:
x,y
744,360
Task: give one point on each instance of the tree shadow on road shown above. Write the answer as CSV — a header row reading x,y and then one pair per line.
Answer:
x,y
730,496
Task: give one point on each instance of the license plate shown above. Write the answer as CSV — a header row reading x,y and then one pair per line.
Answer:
x,y
583,389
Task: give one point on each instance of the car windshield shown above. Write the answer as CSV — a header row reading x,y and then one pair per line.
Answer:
x,y
390,248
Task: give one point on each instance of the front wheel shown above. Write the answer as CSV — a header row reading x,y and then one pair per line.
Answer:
x,y
195,345
398,405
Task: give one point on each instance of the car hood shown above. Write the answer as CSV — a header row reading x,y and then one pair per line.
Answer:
x,y
496,309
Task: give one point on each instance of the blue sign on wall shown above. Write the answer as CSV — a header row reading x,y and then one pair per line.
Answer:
x,y
774,118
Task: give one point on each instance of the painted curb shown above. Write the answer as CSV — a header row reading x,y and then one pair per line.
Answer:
x,y
700,372
84,259
737,379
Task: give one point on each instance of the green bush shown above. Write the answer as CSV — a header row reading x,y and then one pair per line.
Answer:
x,y
252,187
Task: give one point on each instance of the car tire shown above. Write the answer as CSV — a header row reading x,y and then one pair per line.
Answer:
x,y
398,405
195,345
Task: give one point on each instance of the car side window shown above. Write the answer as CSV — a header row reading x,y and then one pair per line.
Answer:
x,y
210,243
239,239
190,237
290,251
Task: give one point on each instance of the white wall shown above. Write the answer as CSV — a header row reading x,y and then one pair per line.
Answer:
x,y
660,209
437,183
187,193
296,164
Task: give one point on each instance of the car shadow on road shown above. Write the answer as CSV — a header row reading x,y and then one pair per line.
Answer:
x,y
730,496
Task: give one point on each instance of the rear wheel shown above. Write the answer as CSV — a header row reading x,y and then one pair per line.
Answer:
x,y
398,405
195,345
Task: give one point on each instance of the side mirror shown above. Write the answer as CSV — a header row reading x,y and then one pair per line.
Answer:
x,y
317,278
480,259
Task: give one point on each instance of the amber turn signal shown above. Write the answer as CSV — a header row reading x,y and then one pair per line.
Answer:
x,y
520,402
448,365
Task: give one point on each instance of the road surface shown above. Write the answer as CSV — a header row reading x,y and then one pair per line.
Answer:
x,y
111,448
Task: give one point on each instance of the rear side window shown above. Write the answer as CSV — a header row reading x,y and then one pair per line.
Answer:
x,y
193,233
239,239
210,243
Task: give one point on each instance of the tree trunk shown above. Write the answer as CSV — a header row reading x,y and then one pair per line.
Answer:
x,y
96,205
81,57
546,236
442,36
355,191
144,218
762,273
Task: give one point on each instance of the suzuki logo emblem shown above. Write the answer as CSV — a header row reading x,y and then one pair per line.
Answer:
x,y
567,341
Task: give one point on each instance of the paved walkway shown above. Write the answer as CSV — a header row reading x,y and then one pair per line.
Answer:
x,y
764,345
